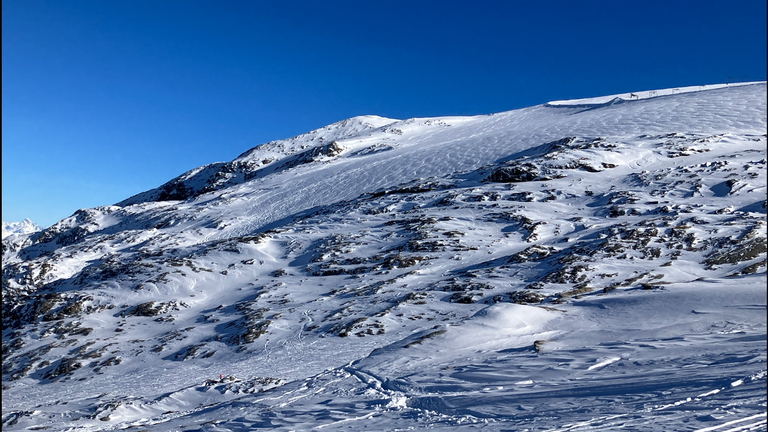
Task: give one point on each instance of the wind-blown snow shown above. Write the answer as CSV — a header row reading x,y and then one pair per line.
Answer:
x,y
596,264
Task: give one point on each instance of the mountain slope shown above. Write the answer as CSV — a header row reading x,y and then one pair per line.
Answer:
x,y
492,270
265,159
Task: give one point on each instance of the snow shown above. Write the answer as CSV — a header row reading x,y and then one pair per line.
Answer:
x,y
388,284
602,100
24,227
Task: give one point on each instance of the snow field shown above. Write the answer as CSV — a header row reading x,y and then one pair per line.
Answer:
x,y
392,285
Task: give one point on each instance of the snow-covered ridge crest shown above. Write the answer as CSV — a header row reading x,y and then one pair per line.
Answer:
x,y
646,94
336,131
264,158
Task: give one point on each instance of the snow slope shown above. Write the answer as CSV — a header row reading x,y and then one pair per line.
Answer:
x,y
577,265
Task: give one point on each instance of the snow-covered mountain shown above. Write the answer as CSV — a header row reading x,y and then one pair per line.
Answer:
x,y
24,227
579,265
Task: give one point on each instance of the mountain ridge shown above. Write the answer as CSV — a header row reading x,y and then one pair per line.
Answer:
x,y
24,227
397,270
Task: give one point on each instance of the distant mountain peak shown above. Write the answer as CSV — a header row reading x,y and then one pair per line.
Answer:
x,y
24,227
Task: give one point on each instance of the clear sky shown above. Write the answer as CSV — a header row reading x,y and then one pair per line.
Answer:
x,y
105,99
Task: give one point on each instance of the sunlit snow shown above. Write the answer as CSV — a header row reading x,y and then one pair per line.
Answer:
x,y
596,264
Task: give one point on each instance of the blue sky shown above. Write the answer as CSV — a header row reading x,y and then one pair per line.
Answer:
x,y
105,99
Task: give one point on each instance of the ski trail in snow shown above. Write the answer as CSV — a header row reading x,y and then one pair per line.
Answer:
x,y
604,363
709,393
738,428
367,416
589,423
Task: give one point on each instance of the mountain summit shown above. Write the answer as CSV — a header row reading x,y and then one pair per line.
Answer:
x,y
577,265
24,227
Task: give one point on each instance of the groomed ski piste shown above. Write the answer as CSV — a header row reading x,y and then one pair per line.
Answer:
x,y
593,264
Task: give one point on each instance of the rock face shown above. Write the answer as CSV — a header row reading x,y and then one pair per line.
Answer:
x,y
373,236
551,160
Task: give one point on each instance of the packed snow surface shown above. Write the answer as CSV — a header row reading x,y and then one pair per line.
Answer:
x,y
596,264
